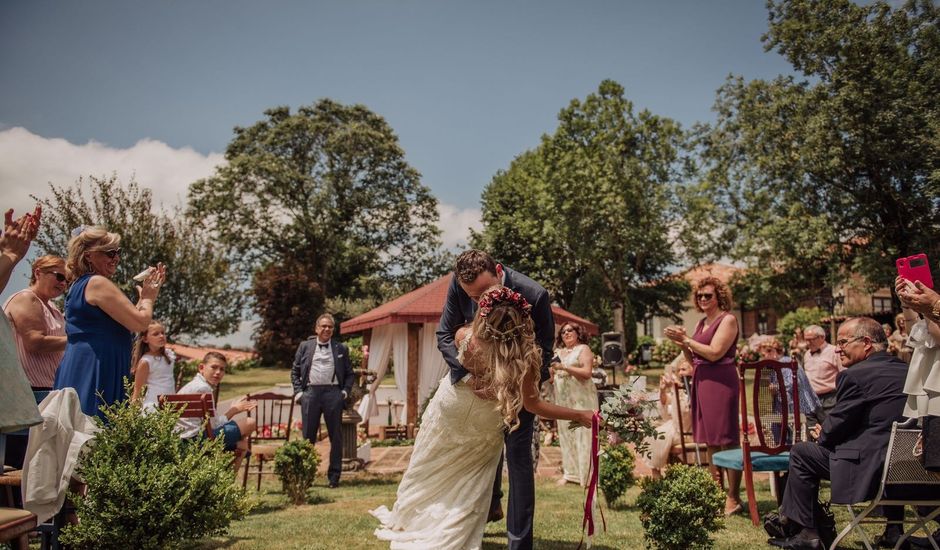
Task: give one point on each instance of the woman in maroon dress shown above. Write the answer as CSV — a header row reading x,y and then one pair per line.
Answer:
x,y
711,350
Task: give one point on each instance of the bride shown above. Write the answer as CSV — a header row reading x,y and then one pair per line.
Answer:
x,y
444,497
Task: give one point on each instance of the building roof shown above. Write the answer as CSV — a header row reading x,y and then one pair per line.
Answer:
x,y
197,353
425,304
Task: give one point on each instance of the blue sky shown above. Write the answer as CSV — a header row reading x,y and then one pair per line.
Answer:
x,y
155,88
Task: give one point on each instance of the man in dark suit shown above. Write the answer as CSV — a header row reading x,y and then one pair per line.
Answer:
x,y
853,439
322,375
475,271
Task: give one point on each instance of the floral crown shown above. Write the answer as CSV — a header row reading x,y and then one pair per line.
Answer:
x,y
502,295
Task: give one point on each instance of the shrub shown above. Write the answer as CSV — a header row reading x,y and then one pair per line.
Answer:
x,y
801,318
149,489
295,464
681,509
665,351
616,472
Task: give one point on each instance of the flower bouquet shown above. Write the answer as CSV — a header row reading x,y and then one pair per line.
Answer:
x,y
625,418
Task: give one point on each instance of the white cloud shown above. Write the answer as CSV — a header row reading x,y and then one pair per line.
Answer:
x,y
455,224
28,163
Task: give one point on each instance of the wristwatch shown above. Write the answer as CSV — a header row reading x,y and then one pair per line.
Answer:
x,y
935,310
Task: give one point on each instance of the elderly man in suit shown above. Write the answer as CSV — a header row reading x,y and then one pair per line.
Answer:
x,y
474,272
853,438
322,375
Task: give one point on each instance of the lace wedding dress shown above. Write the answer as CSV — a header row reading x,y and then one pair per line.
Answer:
x,y
444,497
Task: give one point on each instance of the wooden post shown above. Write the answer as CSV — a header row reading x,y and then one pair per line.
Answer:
x,y
364,365
412,390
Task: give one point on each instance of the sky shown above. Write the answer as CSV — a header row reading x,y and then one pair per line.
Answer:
x,y
152,90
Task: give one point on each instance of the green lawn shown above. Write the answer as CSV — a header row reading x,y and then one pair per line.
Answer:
x,y
251,380
338,518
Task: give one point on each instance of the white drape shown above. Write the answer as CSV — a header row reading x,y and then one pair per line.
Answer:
x,y
400,360
431,364
380,347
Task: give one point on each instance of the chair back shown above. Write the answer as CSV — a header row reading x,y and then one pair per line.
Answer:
x,y
191,405
274,415
903,466
775,400
686,442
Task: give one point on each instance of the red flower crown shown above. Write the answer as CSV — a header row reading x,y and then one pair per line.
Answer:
x,y
502,295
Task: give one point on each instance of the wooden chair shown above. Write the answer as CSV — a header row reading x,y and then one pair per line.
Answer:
x,y
776,426
275,417
195,405
15,525
687,444
903,475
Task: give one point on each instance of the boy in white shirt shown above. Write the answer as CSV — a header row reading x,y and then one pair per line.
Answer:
x,y
234,432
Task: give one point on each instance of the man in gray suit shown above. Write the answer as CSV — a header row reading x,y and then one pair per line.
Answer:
x,y
322,375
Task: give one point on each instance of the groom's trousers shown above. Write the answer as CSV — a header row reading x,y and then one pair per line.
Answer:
x,y
521,508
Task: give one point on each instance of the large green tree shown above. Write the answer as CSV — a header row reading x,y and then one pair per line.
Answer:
x,y
594,213
838,170
202,294
326,188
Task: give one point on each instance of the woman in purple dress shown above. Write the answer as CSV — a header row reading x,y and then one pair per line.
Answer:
x,y
711,350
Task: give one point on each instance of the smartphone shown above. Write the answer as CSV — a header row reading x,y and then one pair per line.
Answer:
x,y
915,268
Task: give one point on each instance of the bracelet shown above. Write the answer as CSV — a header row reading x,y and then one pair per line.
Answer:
x,y
935,310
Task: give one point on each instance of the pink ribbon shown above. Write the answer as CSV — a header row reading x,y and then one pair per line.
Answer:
x,y
589,501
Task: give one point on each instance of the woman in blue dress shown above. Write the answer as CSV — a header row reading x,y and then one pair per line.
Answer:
x,y
100,320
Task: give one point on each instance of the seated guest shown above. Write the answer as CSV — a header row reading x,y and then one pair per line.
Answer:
x,y
234,432
821,363
852,440
771,349
669,411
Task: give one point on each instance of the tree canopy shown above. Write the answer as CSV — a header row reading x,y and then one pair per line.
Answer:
x,y
201,295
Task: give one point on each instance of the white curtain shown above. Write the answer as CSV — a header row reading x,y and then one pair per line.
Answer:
x,y
431,364
399,333
380,347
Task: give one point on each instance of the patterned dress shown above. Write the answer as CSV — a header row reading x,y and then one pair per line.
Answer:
x,y
575,394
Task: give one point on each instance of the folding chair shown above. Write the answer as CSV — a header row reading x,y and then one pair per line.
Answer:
x,y
902,468
275,416
776,423
195,405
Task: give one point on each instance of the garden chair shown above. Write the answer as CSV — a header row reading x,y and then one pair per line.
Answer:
x,y
903,473
686,444
775,426
196,405
275,417
15,525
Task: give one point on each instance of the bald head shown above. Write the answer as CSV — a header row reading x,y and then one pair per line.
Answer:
x,y
859,337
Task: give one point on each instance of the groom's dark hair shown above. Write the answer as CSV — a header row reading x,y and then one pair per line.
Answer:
x,y
471,263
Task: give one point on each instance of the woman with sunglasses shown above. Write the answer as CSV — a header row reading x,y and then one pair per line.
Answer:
x,y
39,327
711,350
100,320
574,389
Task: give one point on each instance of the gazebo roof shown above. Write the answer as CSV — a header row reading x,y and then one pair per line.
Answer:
x,y
425,304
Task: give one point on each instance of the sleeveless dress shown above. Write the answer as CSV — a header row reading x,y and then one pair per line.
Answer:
x,y
444,497
160,379
40,367
575,394
715,420
97,355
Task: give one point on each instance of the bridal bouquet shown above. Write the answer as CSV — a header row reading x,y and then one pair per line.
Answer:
x,y
626,419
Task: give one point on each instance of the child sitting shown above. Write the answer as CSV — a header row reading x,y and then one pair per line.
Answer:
x,y
152,366
234,432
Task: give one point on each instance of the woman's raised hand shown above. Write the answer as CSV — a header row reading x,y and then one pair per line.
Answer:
x,y
675,333
150,287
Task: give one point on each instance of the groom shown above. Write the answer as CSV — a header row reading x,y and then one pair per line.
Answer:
x,y
475,272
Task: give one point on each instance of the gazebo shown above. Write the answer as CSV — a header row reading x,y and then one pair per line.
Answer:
x,y
404,329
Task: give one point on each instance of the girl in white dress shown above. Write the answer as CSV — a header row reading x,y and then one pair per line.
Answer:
x,y
444,497
152,366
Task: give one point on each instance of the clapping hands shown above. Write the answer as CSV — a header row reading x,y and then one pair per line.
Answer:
x,y
915,295
19,233
150,287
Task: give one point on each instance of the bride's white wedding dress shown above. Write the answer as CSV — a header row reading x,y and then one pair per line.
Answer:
x,y
444,497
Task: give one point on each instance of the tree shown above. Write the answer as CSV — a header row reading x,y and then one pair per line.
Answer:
x,y
201,295
838,172
287,300
329,188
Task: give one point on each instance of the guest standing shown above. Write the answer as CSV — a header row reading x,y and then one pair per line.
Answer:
x,y
897,342
574,389
711,350
152,366
99,320
39,327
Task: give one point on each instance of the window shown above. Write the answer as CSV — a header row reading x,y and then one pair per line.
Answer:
x,y
763,327
881,305
648,326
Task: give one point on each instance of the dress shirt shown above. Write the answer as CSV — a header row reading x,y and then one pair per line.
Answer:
x,y
321,365
190,427
822,367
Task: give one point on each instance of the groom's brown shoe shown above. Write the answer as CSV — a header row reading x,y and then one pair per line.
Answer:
x,y
496,513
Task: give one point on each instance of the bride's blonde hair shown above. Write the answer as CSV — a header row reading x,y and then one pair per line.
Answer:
x,y
505,349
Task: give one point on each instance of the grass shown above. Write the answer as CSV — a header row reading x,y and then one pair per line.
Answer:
x,y
251,380
339,518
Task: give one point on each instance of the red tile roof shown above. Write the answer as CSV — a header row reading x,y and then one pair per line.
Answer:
x,y
425,304
191,352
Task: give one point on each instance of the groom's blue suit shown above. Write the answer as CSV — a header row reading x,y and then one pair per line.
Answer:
x,y
459,310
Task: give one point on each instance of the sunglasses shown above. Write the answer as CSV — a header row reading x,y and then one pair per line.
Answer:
x,y
704,296
58,276
114,252
567,330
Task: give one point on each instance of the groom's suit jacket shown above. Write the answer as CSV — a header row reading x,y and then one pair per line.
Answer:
x,y
459,310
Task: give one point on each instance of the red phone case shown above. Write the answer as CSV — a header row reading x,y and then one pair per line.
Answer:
x,y
915,268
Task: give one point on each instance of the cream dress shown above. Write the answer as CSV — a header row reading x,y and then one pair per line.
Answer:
x,y
575,394
444,497
922,385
